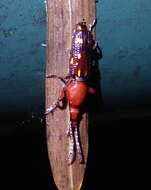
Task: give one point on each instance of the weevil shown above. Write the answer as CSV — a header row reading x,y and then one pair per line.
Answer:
x,y
82,59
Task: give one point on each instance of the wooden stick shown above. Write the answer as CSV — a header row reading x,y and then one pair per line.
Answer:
x,y
63,15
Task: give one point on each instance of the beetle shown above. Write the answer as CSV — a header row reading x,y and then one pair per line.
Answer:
x,y
82,59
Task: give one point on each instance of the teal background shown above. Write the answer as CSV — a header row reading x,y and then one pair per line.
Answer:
x,y
123,32
119,138
22,58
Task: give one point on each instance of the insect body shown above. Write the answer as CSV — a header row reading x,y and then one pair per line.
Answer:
x,y
76,87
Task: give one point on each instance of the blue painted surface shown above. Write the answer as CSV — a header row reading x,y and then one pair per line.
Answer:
x,y
123,31
22,58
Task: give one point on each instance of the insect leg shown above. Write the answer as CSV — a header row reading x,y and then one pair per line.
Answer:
x,y
91,90
55,76
78,145
71,154
91,26
52,108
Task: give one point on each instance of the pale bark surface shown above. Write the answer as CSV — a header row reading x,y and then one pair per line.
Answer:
x,y
63,15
